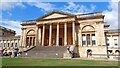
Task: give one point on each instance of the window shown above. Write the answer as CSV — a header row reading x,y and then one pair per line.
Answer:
x,y
88,39
87,28
108,44
8,44
83,42
15,44
93,42
3,33
12,45
115,39
93,39
83,39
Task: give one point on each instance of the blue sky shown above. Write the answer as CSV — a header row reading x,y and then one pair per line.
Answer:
x,y
13,13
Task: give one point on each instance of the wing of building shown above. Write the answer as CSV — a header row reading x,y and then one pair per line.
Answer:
x,y
88,33
8,38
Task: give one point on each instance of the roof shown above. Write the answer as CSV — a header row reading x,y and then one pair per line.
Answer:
x,y
63,13
4,28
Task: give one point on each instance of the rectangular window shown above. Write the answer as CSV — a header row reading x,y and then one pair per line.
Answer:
x,y
108,44
115,39
93,42
83,42
83,39
93,39
88,39
8,44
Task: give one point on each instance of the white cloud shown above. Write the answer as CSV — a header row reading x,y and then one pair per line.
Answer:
x,y
44,6
111,15
78,8
10,5
14,25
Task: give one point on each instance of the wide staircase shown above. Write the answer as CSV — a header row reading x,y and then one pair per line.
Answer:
x,y
45,52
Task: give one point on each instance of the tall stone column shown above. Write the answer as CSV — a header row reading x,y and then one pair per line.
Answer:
x,y
39,36
24,38
57,36
80,38
65,34
73,32
43,35
36,43
50,34
22,41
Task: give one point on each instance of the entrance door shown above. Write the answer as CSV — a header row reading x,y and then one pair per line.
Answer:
x,y
60,41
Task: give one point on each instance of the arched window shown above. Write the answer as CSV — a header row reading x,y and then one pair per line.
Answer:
x,y
30,40
88,36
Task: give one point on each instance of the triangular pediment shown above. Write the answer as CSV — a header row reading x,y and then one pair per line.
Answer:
x,y
54,15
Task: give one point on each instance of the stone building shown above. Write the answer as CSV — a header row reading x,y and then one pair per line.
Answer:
x,y
86,35
113,43
6,32
8,38
85,31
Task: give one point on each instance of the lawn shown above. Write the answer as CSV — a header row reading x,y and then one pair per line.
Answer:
x,y
55,62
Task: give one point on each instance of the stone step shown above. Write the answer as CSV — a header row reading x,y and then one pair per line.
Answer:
x,y
45,52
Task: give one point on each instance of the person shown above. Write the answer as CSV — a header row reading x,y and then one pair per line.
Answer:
x,y
10,53
0,52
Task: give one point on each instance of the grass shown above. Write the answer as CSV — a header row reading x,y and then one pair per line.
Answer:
x,y
55,62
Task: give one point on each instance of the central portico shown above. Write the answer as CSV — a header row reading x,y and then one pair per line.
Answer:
x,y
56,32
53,29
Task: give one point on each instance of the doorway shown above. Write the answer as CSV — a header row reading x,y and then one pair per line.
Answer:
x,y
60,41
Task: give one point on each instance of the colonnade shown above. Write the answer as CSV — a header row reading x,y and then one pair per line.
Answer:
x,y
41,39
10,43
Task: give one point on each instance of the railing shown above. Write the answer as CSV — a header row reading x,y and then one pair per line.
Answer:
x,y
9,36
89,14
29,21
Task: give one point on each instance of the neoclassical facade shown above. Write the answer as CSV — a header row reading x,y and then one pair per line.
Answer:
x,y
86,31
61,29
87,35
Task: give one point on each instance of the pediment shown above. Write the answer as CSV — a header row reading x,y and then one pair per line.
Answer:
x,y
54,14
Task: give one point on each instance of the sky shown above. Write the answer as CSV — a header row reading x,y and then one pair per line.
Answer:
x,y
13,13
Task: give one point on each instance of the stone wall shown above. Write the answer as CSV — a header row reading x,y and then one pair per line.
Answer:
x,y
96,51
